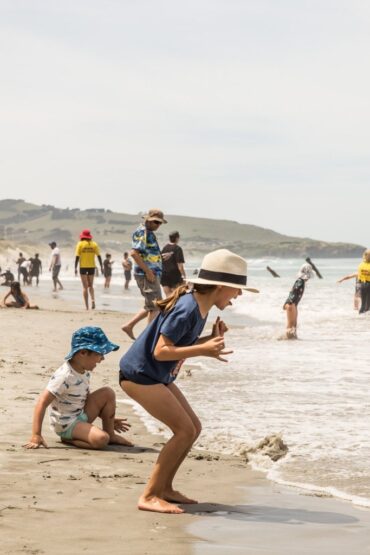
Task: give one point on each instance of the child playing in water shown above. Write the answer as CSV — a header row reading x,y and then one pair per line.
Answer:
x,y
73,407
150,366
291,304
21,300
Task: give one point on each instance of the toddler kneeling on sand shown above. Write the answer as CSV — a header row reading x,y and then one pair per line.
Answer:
x,y
73,408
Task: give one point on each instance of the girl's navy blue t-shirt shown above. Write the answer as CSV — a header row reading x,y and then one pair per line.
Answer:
x,y
182,325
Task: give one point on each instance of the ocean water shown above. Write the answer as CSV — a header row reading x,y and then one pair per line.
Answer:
x,y
311,394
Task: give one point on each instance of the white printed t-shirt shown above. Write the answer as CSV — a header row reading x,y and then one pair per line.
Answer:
x,y
57,260
71,390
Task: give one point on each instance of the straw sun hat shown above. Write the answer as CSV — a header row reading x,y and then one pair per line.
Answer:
x,y
223,267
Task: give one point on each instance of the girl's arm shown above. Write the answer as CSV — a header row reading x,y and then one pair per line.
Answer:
x,y
347,277
166,350
38,416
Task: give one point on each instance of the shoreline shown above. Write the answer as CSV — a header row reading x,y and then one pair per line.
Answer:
x,y
87,499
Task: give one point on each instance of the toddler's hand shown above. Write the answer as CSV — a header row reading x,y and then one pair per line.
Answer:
x,y
35,442
121,425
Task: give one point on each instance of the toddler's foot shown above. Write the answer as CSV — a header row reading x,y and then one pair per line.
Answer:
x,y
176,497
128,330
116,439
158,505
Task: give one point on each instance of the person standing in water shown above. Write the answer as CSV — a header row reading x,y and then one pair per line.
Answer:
x,y
149,368
148,267
36,268
107,265
173,271
55,265
291,304
86,251
127,269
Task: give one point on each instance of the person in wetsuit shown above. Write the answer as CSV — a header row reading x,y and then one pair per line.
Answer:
x,y
295,295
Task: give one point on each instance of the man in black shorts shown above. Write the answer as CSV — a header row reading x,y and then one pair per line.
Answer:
x,y
173,272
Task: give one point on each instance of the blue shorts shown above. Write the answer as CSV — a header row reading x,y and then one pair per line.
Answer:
x,y
67,434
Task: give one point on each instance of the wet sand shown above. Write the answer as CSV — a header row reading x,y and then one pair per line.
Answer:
x,y
68,500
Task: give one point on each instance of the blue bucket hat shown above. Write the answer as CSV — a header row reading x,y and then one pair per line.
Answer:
x,y
92,339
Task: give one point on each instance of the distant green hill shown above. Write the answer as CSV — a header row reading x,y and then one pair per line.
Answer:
x,y
24,224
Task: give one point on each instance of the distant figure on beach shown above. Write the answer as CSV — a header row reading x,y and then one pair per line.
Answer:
x,y
21,300
150,366
148,267
20,260
107,269
127,269
173,271
36,268
357,294
55,265
291,304
86,251
24,269
73,408
364,279
8,277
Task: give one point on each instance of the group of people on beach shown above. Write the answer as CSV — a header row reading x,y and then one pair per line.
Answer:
x,y
149,368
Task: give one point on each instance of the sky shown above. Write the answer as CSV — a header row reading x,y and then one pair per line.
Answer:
x,y
254,111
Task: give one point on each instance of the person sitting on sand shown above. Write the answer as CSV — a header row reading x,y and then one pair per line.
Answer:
x,y
73,408
291,304
21,300
150,366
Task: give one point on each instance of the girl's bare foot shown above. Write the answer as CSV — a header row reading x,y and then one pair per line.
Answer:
x,y
176,497
116,439
158,505
130,333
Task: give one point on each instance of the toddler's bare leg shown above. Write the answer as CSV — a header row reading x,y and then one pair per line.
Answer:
x,y
102,403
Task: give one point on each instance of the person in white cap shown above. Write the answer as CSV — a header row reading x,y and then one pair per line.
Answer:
x,y
149,368
291,304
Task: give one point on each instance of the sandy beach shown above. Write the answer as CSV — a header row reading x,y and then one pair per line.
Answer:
x,y
68,500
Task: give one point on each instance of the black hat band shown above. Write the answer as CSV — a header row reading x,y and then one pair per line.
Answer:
x,y
222,276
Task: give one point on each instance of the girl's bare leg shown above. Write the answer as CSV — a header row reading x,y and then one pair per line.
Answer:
x,y
171,494
163,405
291,314
167,290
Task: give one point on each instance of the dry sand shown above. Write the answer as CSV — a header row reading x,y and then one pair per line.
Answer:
x,y
70,501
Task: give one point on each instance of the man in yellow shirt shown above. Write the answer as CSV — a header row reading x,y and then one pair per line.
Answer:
x,y
364,279
86,251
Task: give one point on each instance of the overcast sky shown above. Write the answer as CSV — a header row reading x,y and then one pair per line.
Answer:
x,y
255,111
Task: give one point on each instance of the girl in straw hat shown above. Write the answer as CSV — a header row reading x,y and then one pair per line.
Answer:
x,y
149,368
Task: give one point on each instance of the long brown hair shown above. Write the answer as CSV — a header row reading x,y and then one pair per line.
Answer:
x,y
165,305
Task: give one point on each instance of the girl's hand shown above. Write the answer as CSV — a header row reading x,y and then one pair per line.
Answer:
x,y
215,347
219,328
121,425
35,442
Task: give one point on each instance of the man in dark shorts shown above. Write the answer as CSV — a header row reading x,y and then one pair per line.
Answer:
x,y
173,272
36,268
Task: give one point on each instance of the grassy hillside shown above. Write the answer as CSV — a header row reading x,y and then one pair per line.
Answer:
x,y
23,224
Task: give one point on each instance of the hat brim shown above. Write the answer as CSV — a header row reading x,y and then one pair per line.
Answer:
x,y
104,350
155,219
86,237
202,281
